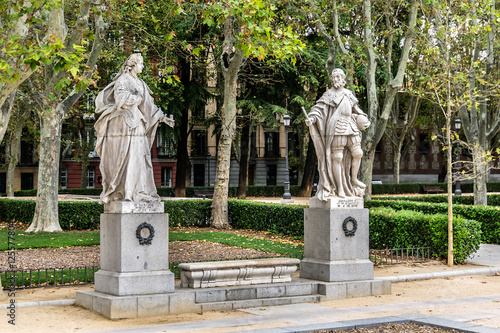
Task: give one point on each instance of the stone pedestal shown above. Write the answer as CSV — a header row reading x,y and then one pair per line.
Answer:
x,y
134,260
336,241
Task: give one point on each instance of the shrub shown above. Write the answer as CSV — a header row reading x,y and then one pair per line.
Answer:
x,y
73,215
390,228
488,216
20,210
276,218
80,215
466,236
188,212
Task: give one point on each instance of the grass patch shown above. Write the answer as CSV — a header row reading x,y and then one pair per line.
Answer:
x,y
22,240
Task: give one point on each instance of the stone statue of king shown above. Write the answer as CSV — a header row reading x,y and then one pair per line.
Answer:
x,y
335,124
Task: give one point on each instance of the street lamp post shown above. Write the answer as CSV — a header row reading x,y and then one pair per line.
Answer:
x,y
458,126
286,196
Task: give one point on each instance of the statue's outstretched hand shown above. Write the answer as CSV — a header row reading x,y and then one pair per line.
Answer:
x,y
169,120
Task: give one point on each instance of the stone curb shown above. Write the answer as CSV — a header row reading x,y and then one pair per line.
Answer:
x,y
437,275
393,279
41,303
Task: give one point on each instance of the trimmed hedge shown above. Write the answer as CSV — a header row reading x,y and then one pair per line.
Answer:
x,y
252,191
406,229
188,213
73,215
493,199
389,228
488,216
277,218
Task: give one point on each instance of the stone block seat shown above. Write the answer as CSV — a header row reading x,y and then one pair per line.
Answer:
x,y
237,272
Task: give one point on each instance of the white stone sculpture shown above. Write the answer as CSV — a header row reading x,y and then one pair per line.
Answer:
x,y
335,124
126,130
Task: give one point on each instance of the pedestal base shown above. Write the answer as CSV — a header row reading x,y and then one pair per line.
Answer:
x,y
135,283
339,270
336,244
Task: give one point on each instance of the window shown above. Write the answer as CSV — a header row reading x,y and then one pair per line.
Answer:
x,y
64,177
164,141
198,143
271,144
26,181
271,174
166,176
26,152
424,144
91,141
199,174
91,177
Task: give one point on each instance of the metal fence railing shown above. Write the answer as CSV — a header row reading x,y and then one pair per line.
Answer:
x,y
400,256
36,278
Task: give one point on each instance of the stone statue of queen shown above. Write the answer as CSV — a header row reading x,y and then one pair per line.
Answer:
x,y
126,130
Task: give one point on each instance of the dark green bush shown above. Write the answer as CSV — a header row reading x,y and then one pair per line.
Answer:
x,y
276,218
80,215
488,216
20,210
188,213
390,228
73,215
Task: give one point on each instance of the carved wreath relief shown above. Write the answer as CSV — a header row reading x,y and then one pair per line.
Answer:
x,y
138,233
349,232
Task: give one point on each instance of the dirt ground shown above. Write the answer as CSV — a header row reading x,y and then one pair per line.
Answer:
x,y
75,319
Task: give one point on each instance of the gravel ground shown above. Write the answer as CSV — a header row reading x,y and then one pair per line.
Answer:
x,y
395,328
89,255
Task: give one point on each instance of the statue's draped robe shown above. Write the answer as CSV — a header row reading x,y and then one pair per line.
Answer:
x,y
126,130
327,111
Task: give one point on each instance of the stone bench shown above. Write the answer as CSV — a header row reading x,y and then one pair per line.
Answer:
x,y
432,189
205,193
237,272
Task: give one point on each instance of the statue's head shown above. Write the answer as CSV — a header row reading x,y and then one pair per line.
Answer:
x,y
338,78
135,60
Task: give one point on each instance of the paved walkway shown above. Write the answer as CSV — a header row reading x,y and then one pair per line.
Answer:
x,y
461,313
471,313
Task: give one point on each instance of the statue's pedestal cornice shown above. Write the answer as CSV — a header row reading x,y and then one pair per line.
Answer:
x,y
337,203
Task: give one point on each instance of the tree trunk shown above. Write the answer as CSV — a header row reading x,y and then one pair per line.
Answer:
x,y
183,164
5,112
306,184
15,142
480,173
230,69
244,159
397,162
365,172
46,212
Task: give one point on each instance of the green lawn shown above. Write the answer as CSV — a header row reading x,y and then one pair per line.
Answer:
x,y
22,240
